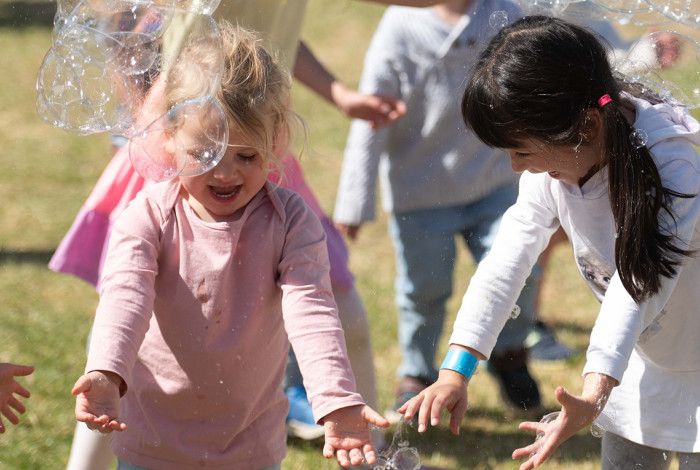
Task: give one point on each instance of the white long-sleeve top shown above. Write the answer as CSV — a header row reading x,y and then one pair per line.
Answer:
x,y
658,337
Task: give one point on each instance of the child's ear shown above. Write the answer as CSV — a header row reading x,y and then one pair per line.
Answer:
x,y
593,126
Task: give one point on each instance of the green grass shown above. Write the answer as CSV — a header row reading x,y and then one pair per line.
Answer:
x,y
46,174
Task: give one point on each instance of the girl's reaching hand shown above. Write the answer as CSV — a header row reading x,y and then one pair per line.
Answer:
x,y
9,388
97,401
348,437
576,413
449,393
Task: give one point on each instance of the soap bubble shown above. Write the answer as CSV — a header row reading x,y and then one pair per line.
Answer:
x,y
498,20
666,63
515,313
638,138
399,456
188,140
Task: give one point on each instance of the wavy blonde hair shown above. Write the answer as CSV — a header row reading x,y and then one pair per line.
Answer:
x,y
254,87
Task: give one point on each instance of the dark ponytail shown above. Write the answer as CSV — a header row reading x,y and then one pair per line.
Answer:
x,y
538,78
644,250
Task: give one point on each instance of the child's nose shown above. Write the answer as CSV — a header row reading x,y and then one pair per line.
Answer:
x,y
226,170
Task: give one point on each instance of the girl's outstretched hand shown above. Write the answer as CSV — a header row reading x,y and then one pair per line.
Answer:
x,y
576,413
449,393
348,437
9,388
97,401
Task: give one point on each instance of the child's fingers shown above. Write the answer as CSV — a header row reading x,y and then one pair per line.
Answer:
x,y
458,412
532,426
565,398
355,456
424,412
370,456
328,450
342,456
7,413
19,390
371,416
525,451
82,385
16,404
411,406
21,370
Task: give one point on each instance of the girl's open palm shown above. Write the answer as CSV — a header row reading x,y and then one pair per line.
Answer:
x,y
449,393
97,401
576,413
348,437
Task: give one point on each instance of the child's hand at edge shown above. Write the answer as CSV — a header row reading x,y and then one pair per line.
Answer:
x,y
379,110
97,400
576,413
449,393
8,388
348,436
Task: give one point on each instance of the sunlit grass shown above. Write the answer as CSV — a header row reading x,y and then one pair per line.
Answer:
x,y
45,176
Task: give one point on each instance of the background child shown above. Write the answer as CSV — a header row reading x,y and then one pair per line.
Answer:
x,y
224,261
544,91
437,183
9,388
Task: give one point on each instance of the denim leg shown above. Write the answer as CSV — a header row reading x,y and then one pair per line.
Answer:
x,y
486,215
123,465
425,254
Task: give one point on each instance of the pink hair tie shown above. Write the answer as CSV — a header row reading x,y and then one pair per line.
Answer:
x,y
603,100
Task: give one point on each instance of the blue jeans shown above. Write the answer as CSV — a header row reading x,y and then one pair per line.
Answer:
x,y
121,465
424,244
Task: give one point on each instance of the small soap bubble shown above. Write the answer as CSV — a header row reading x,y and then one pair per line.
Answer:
x,y
498,20
515,313
639,138
597,430
399,456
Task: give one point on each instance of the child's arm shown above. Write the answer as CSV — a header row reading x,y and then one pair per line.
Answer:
x,y
315,332
9,388
355,200
97,400
378,109
523,234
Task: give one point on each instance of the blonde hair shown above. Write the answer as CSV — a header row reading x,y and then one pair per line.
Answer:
x,y
254,87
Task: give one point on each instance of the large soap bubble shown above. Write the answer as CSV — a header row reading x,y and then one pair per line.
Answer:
x,y
148,70
190,139
666,63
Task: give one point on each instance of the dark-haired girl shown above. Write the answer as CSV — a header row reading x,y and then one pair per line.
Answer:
x,y
615,167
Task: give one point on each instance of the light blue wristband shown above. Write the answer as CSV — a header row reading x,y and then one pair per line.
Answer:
x,y
460,361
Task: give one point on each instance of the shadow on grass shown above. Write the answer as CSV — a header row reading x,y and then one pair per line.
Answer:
x,y
25,256
21,14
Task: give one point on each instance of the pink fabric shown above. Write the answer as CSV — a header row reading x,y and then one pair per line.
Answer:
x,y
82,250
193,315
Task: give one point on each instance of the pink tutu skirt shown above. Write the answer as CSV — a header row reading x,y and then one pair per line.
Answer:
x,y
82,250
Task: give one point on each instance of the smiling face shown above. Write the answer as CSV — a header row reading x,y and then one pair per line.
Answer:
x,y
570,164
222,192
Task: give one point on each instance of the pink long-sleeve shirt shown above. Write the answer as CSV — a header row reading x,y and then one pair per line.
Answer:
x,y
192,316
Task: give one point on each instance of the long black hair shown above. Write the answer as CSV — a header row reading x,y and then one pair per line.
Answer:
x,y
538,78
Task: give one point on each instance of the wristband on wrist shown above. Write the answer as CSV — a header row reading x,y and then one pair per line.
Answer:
x,y
460,361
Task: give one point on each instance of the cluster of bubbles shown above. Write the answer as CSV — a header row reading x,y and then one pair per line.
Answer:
x,y
664,63
108,71
399,455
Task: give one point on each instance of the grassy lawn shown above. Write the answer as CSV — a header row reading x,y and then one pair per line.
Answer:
x,y
46,174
